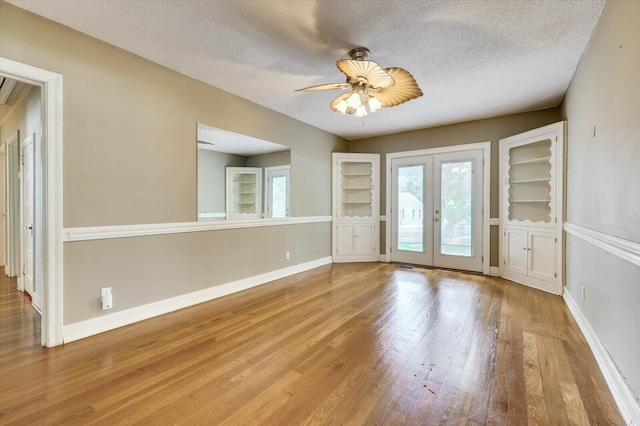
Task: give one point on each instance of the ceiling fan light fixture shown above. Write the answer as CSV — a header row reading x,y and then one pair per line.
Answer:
x,y
374,104
354,101
372,87
361,111
342,106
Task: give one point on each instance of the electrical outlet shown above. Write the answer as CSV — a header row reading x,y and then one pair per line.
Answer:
x,y
286,255
106,298
583,294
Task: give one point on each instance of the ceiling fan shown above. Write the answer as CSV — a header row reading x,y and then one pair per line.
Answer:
x,y
371,86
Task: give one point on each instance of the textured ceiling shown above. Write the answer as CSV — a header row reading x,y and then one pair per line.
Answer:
x,y
472,59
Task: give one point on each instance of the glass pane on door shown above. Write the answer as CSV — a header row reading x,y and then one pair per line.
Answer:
x,y
456,192
410,208
279,196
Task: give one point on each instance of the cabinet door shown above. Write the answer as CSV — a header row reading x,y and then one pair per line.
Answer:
x,y
345,239
365,239
515,250
542,255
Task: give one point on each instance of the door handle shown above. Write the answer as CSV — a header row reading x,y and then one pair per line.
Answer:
x,y
437,219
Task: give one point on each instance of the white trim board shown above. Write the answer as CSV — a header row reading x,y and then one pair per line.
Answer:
x,y
212,215
624,249
90,327
622,395
124,231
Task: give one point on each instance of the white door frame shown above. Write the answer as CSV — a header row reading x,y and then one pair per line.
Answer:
x,y
3,206
12,189
27,229
50,260
486,188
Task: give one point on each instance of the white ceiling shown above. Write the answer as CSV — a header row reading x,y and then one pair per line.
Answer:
x,y
221,140
472,59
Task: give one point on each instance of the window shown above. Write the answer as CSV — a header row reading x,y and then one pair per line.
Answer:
x,y
278,191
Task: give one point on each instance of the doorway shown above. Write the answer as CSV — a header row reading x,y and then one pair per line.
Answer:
x,y
47,253
436,207
20,128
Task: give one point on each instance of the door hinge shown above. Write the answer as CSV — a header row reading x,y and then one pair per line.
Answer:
x,y
555,275
555,240
483,258
390,249
22,159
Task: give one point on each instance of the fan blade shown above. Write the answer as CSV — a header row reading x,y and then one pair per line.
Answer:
x,y
369,70
330,86
405,89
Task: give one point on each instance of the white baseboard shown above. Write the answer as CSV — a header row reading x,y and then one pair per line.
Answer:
x,y
623,396
383,258
82,329
494,271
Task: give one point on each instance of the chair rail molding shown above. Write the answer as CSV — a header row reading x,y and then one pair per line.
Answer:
x,y
146,229
624,249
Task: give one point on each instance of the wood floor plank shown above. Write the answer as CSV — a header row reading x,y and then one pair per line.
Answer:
x,y
347,344
536,409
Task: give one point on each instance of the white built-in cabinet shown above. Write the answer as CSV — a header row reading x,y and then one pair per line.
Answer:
x,y
356,207
532,207
244,192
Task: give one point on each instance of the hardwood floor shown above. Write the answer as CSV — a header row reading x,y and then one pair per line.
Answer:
x,y
342,344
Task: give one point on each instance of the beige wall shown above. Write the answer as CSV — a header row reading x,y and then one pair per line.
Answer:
x,y
160,267
129,156
487,130
603,181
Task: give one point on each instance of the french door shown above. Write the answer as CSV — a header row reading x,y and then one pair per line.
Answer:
x,y
436,213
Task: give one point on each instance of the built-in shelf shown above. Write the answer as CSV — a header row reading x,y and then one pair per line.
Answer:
x,y
531,208
532,160
244,192
356,207
530,180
